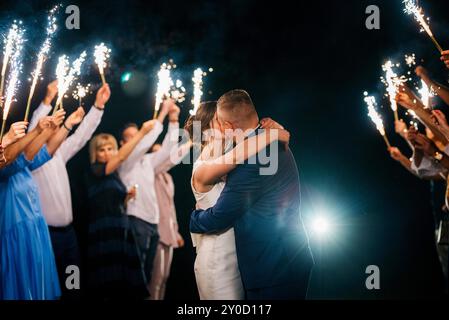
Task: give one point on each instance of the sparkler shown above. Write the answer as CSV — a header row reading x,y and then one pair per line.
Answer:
x,y
163,86
426,95
9,42
101,54
410,60
412,8
375,117
13,78
66,76
80,92
42,55
392,82
197,90
178,92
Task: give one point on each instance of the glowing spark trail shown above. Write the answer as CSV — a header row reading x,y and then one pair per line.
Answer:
x,y
375,117
412,8
42,55
101,54
390,77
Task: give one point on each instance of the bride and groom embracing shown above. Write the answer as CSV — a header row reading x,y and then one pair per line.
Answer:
x,y
247,229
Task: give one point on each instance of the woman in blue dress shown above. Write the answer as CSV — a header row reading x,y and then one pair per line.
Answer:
x,y
28,269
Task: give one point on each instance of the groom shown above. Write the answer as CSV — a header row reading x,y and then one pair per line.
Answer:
x,y
272,246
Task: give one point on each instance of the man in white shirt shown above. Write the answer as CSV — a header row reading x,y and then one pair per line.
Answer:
x,y
53,180
139,170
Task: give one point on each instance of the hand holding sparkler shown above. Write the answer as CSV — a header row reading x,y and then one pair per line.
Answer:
x,y
16,131
440,121
103,95
445,57
52,91
75,118
395,153
173,112
400,127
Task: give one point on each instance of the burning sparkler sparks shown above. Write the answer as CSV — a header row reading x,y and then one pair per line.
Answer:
x,y
42,55
15,52
66,76
80,92
197,90
412,8
410,60
375,117
392,82
14,36
163,86
101,54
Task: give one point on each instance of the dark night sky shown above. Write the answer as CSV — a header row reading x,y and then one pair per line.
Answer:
x,y
306,67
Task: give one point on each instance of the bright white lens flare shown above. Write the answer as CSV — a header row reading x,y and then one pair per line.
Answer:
x,y
321,226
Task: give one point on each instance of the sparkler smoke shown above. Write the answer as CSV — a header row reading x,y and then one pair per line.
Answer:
x,y
43,54
101,54
197,90
375,117
412,8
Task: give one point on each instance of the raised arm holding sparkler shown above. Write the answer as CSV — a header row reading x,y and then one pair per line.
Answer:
x,y
408,99
441,90
412,8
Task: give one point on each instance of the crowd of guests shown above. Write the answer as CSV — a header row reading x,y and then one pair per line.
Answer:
x,y
132,227
430,153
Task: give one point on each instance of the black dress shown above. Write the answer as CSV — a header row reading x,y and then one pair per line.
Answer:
x,y
114,268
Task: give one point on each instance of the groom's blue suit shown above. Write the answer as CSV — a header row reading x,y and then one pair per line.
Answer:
x,y
272,246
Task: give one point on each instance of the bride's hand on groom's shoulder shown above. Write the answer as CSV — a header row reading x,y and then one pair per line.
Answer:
x,y
268,123
283,135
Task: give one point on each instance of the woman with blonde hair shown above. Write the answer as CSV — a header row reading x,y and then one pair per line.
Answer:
x,y
113,263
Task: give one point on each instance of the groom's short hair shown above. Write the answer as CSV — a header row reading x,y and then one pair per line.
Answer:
x,y
237,104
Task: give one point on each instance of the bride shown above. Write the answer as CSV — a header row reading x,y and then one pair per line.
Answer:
x,y
216,269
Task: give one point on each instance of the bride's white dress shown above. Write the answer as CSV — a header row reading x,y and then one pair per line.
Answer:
x,y
216,269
